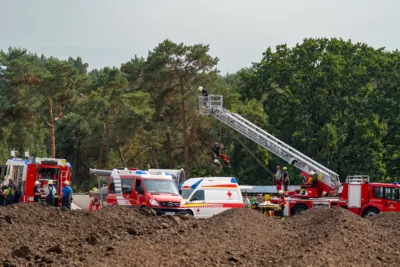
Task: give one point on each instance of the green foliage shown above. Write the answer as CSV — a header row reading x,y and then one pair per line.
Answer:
x,y
335,101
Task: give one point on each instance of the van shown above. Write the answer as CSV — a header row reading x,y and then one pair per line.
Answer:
x,y
206,197
144,189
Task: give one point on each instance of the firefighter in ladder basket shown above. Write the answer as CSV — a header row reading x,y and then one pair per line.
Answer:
x,y
217,153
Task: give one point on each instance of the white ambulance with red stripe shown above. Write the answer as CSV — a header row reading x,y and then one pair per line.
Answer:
x,y
206,197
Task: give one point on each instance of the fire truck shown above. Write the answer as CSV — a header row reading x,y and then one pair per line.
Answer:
x,y
356,194
24,173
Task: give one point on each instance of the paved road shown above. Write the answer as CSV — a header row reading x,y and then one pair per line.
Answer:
x,y
82,201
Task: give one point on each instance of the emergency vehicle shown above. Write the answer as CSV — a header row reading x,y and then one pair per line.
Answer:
x,y
358,194
24,173
142,189
206,197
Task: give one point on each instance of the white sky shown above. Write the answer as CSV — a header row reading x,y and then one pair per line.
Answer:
x,y
108,33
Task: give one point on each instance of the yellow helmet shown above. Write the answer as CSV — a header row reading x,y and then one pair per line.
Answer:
x,y
66,183
94,189
284,168
200,88
50,182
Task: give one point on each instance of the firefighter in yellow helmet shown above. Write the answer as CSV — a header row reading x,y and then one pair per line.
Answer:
x,y
285,181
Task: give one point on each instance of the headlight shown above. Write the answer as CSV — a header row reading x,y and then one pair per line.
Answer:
x,y
153,202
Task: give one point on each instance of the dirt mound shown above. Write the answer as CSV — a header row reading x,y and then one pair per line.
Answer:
x,y
38,234
119,236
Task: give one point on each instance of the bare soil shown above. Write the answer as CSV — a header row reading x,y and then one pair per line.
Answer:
x,y
36,235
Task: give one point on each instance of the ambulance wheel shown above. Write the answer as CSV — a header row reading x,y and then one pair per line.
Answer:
x,y
370,212
298,209
188,213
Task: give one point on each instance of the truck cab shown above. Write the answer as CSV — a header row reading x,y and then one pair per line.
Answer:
x,y
206,197
144,189
368,199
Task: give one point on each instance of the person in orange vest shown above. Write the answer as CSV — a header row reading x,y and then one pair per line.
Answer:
x,y
94,202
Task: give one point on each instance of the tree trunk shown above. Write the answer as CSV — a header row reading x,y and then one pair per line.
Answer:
x,y
51,124
169,151
74,165
53,139
185,131
154,157
121,156
102,143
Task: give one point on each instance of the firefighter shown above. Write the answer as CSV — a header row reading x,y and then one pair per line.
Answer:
x,y
8,193
203,91
50,192
278,178
217,152
285,180
95,201
36,192
282,203
66,195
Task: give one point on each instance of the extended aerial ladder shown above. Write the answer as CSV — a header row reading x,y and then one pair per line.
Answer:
x,y
213,105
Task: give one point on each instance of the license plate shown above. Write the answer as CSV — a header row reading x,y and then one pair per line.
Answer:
x,y
170,213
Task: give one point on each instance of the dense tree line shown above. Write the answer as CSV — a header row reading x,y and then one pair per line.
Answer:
x,y
335,101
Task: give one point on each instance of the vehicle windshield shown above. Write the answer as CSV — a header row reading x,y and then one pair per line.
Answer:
x,y
186,193
160,186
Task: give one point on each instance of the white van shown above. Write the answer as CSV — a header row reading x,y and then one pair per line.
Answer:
x,y
205,197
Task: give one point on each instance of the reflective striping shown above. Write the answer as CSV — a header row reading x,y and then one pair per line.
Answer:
x,y
226,205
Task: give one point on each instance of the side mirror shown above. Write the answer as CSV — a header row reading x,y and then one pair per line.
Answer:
x,y
140,190
180,191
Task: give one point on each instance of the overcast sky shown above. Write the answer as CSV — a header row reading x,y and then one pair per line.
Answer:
x,y
108,33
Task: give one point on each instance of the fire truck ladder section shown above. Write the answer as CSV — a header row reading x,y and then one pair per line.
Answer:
x,y
213,105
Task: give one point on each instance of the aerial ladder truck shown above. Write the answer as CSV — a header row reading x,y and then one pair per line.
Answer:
x,y
328,181
358,195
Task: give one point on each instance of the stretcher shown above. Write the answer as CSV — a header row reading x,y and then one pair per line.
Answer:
x,y
267,208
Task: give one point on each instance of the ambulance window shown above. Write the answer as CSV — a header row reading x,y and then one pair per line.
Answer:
x,y
111,188
377,192
198,195
390,193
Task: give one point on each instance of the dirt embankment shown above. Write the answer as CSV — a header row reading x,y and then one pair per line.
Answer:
x,y
37,235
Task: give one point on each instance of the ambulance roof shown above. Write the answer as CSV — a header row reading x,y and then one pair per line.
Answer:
x,y
209,182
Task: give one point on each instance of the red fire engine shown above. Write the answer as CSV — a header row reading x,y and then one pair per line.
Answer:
x,y
357,195
322,185
24,173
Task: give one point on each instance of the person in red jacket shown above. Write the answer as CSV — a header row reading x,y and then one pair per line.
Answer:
x,y
94,202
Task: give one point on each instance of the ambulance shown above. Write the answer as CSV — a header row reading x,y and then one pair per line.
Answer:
x,y
206,197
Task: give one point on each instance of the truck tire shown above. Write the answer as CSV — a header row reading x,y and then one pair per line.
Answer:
x,y
187,213
298,209
370,212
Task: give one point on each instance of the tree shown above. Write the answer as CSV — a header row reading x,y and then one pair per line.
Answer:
x,y
44,88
